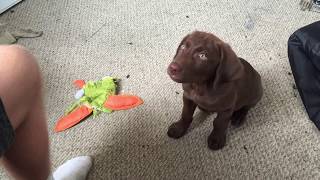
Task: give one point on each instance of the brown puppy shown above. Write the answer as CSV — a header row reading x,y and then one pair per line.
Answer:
x,y
216,80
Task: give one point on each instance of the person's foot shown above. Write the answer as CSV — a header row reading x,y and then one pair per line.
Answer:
x,y
74,169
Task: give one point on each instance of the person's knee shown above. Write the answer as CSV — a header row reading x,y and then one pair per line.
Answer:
x,y
14,51
18,65
20,81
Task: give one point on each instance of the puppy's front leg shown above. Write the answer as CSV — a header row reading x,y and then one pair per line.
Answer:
x,y
179,128
217,138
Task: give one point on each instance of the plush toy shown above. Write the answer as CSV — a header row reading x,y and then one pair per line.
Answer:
x,y
73,118
122,102
95,97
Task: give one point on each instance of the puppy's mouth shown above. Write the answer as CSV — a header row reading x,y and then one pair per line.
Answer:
x,y
175,76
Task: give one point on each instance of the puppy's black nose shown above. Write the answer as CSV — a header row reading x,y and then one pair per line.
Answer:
x,y
174,68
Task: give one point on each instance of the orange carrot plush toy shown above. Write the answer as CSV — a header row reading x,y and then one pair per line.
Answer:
x,y
122,102
95,97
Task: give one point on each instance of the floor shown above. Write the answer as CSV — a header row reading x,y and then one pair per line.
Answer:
x,y
91,39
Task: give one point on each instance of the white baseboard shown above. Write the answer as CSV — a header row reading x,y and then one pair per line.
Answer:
x,y
6,4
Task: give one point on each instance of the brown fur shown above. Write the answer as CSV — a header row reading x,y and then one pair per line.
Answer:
x,y
215,80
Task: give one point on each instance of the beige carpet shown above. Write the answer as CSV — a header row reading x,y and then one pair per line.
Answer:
x,y
91,39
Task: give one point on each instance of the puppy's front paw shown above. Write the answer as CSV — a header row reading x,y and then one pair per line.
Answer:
x,y
216,141
177,130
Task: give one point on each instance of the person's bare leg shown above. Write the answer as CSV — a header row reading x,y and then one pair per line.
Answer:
x,y
20,91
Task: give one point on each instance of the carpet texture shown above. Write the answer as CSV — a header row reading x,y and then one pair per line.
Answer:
x,y
91,39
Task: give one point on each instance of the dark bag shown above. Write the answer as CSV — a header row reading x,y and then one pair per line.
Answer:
x,y
304,58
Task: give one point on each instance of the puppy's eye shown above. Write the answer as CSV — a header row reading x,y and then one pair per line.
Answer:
x,y
182,46
203,56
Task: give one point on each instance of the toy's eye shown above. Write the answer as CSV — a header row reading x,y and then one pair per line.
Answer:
x,y
182,46
203,56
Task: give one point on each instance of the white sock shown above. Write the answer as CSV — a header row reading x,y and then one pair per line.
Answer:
x,y
74,169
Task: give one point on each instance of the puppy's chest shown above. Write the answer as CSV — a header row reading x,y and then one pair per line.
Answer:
x,y
201,96
191,91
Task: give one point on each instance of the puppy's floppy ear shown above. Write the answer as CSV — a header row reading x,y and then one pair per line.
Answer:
x,y
183,40
230,67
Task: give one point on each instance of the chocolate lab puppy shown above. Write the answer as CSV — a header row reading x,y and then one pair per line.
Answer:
x,y
214,79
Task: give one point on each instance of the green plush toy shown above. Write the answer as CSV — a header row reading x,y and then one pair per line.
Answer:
x,y
94,94
95,97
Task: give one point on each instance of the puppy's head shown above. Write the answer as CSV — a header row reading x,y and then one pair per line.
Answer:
x,y
203,57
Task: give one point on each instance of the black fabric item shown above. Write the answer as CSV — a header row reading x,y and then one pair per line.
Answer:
x,y
6,131
304,58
